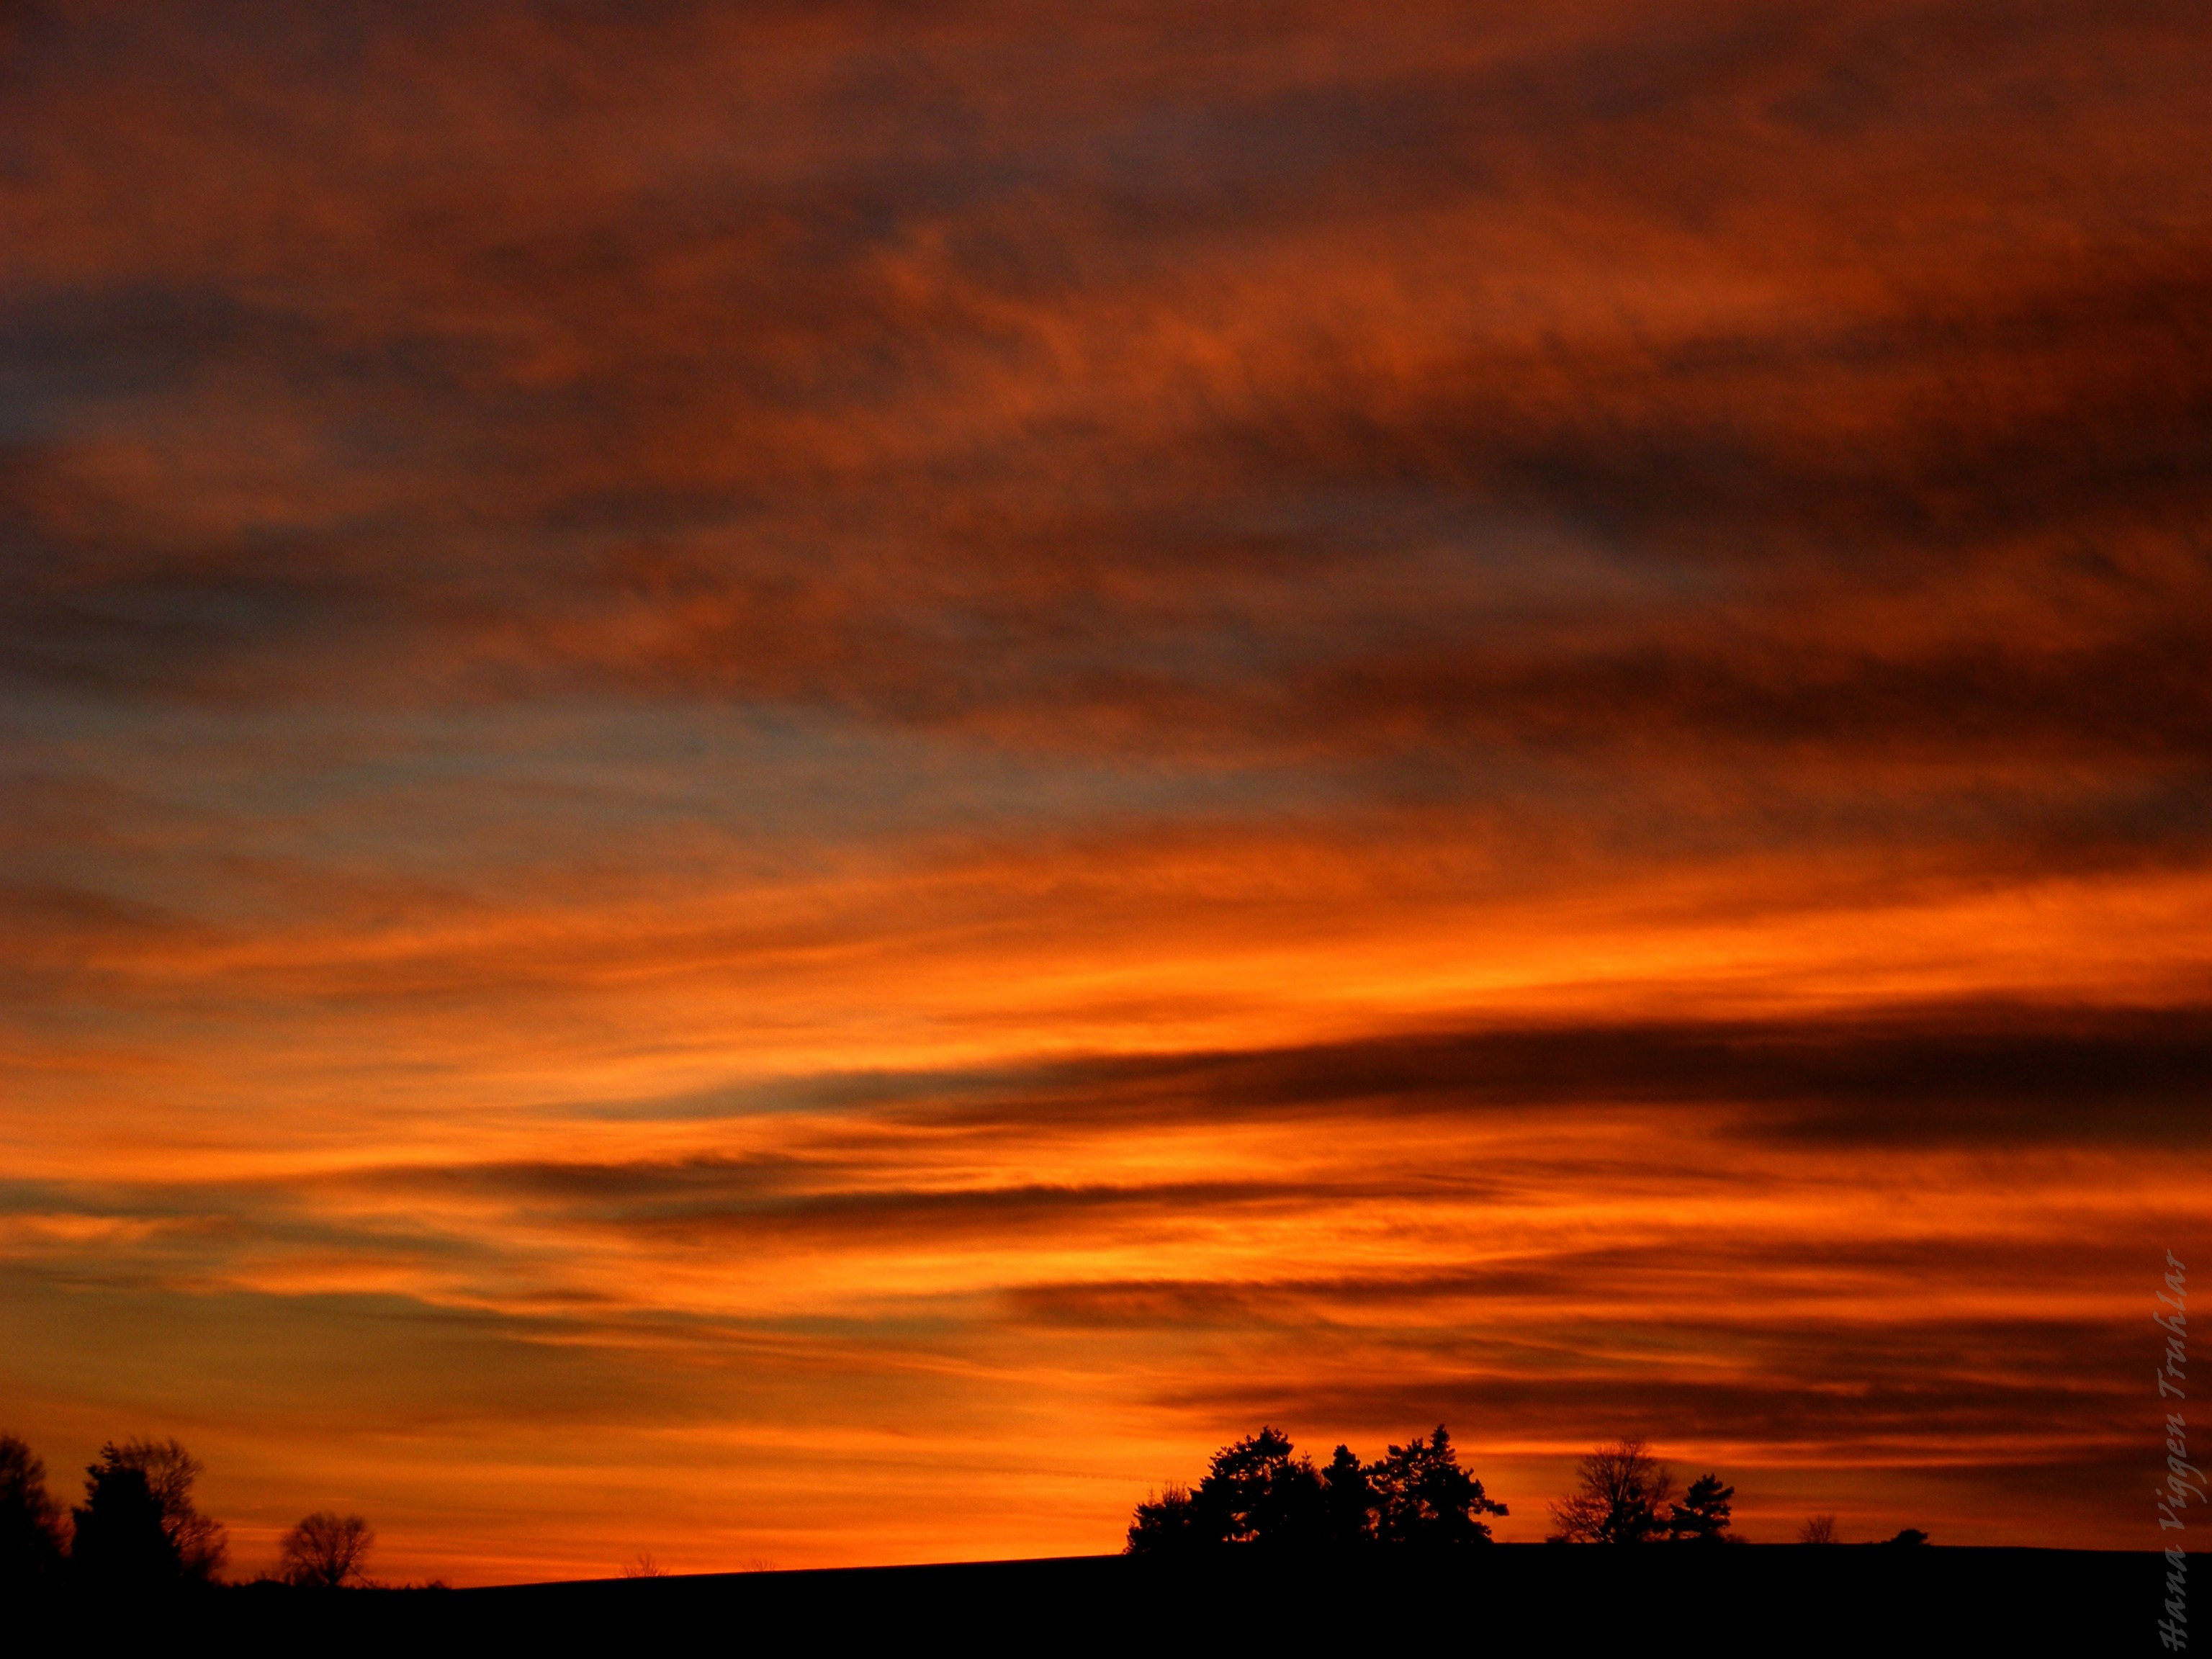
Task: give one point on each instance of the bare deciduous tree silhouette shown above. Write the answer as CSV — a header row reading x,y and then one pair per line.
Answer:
x,y
1620,1497
326,1551
1821,1529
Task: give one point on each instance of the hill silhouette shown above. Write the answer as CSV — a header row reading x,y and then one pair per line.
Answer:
x,y
1268,1550
1534,1597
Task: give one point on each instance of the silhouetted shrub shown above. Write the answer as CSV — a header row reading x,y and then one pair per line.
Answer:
x,y
1909,1536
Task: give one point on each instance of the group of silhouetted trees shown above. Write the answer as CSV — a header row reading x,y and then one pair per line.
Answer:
x,y
1624,1495
137,1528
1262,1491
139,1532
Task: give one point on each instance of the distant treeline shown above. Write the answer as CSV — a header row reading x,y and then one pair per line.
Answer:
x,y
1262,1490
139,1532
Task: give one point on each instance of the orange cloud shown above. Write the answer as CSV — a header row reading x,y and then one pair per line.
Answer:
x,y
810,785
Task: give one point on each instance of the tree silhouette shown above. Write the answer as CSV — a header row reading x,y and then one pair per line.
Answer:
x,y
1620,1498
325,1551
1703,1514
1259,1491
1821,1529
1165,1525
138,1527
1348,1502
1908,1536
1423,1497
30,1520
120,1543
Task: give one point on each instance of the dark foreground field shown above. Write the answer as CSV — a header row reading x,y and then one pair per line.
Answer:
x,y
1746,1599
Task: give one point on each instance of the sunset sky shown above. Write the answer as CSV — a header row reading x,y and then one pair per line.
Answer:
x,y
807,783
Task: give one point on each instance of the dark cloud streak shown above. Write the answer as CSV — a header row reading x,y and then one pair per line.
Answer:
x,y
1932,1074
814,423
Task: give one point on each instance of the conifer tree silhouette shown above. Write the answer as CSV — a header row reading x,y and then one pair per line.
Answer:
x,y
1703,1515
1423,1497
1348,1502
1259,1491
138,1527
